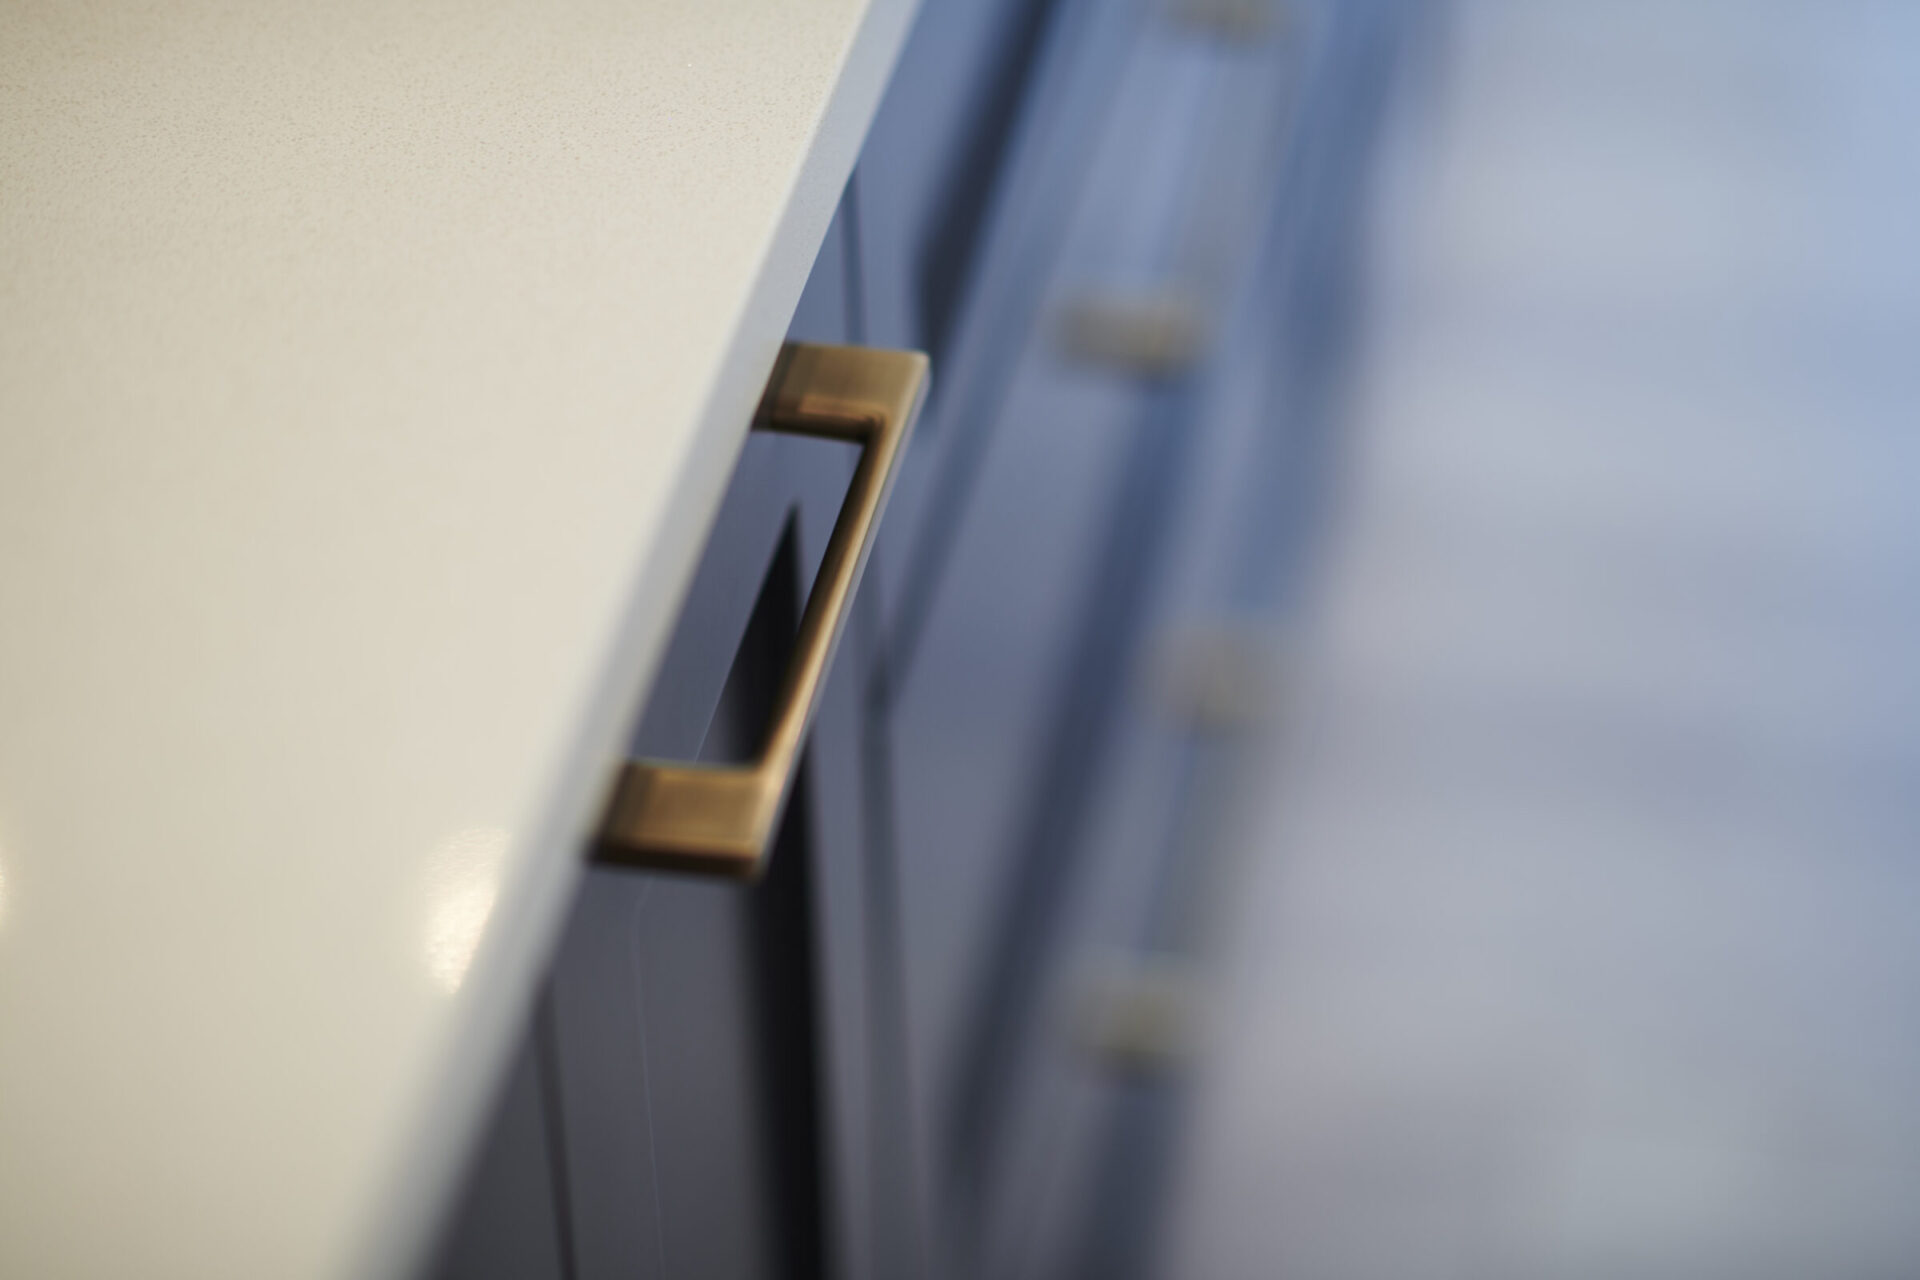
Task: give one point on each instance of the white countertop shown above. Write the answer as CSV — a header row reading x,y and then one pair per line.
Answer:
x,y
368,377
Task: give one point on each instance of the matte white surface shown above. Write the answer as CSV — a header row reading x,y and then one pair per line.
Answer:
x,y
368,376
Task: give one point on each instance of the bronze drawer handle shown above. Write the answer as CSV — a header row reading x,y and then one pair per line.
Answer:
x,y
719,820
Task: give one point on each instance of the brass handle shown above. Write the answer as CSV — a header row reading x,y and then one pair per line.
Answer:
x,y
720,819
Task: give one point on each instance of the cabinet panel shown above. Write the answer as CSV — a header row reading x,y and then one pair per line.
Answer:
x,y
683,1013
702,1050
1076,63
1014,681
1094,1112
510,1214
933,159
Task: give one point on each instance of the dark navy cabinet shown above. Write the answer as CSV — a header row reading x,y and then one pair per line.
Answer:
x,y
887,1058
693,1099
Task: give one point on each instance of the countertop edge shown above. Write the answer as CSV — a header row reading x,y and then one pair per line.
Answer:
x,y
407,1210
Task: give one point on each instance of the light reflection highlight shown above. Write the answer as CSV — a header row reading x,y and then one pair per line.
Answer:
x,y
463,882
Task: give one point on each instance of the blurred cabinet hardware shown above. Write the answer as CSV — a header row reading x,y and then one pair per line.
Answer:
x,y
1142,1016
1219,679
719,819
1240,21
1147,335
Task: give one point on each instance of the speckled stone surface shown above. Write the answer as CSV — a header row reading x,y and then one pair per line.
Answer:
x,y
368,377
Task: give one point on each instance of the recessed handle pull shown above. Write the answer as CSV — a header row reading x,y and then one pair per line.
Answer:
x,y
719,820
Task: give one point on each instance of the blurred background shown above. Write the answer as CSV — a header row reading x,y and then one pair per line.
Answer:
x,y
1574,929
1452,556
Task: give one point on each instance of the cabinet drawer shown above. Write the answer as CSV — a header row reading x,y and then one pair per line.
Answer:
x,y
1093,1098
933,161
1014,670
696,1094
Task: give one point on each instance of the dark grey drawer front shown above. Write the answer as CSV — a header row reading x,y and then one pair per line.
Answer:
x,y
869,1064
1094,392
691,1101
933,161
